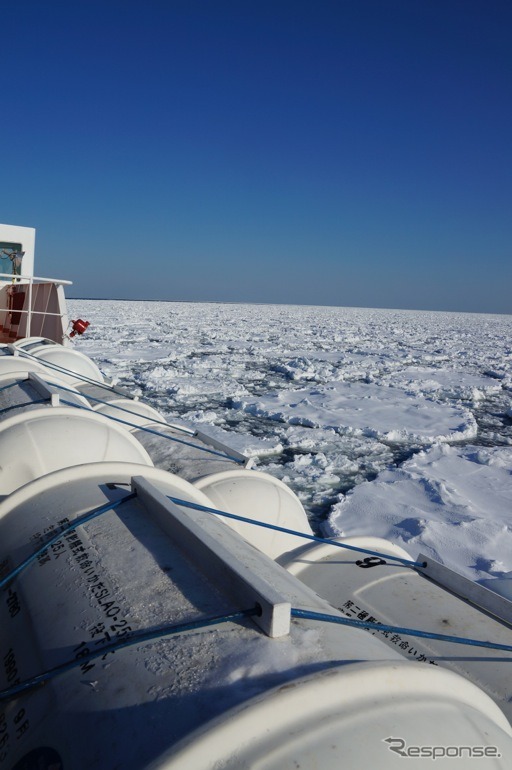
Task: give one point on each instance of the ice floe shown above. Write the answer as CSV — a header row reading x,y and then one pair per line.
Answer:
x,y
452,503
385,413
388,422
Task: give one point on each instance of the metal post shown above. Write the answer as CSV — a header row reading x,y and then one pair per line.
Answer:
x,y
29,316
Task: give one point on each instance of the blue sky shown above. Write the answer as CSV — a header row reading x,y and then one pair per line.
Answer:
x,y
334,152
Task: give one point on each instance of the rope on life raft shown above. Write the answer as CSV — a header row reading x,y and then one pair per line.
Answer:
x,y
153,432
160,633
111,388
20,406
10,385
62,369
304,535
139,637
90,515
310,615
72,525
239,460
110,404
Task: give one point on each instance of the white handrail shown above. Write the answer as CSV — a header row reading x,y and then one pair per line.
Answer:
x,y
34,312
32,278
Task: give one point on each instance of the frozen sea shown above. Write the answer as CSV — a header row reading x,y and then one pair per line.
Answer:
x,y
386,422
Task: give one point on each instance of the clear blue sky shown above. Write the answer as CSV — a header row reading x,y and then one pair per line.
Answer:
x,y
341,152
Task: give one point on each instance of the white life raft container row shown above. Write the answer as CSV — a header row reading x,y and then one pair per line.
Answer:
x,y
227,695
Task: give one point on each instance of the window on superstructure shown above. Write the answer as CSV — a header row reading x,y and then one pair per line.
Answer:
x,y
11,257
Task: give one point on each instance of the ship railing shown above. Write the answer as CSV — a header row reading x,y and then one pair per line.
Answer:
x,y
29,281
35,279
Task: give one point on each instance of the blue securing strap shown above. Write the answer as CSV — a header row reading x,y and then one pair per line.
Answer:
x,y
86,517
127,641
309,615
25,403
154,634
12,384
315,538
63,370
110,404
159,433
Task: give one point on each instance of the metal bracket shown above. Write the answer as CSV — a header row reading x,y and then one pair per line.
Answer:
x,y
213,442
44,388
233,565
481,597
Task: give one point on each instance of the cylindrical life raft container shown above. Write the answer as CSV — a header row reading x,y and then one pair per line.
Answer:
x,y
64,361
381,590
43,428
263,498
